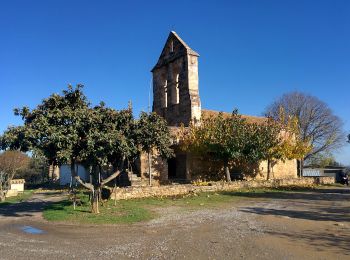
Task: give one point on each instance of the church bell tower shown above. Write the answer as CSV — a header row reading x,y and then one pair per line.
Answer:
x,y
175,83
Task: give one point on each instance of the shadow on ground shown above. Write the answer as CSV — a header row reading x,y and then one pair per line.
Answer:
x,y
319,205
21,209
316,194
29,208
321,240
339,214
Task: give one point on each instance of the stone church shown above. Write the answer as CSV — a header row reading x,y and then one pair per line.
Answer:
x,y
176,98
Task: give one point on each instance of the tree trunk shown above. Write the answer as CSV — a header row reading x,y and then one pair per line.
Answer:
x,y
94,202
7,186
72,169
96,190
300,167
73,174
51,169
227,171
90,173
115,192
150,168
2,195
268,169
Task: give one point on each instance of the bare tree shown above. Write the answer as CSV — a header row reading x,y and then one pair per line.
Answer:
x,y
316,121
10,163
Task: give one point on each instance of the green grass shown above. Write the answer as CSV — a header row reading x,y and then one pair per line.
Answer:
x,y
138,210
21,197
128,211
109,214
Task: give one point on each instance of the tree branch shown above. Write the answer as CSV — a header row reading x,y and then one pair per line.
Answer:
x,y
83,183
114,175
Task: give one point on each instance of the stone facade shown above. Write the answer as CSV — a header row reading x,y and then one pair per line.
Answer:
x,y
282,169
176,98
159,168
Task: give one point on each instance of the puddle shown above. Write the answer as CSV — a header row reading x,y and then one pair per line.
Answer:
x,y
32,230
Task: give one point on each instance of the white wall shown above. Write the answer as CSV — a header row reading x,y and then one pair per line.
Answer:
x,y
65,174
17,186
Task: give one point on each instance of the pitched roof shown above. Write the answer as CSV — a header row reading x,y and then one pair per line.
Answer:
x,y
250,119
165,58
189,50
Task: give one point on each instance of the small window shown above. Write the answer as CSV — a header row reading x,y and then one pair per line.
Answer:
x,y
171,46
177,91
165,95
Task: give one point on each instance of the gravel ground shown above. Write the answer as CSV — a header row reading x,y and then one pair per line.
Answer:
x,y
308,225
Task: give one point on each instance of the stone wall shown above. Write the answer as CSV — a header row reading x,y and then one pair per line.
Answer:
x,y
280,170
174,190
207,169
159,168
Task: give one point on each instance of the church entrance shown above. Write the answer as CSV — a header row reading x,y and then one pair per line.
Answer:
x,y
177,167
172,168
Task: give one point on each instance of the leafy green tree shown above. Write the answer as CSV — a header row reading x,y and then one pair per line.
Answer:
x,y
233,139
14,138
224,138
109,142
153,135
66,129
55,127
262,142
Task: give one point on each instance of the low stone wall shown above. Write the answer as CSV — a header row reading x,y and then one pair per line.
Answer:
x,y
182,189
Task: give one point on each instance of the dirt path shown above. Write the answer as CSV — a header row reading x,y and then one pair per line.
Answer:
x,y
303,225
31,208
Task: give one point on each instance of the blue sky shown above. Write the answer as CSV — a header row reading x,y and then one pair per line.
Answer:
x,y
251,51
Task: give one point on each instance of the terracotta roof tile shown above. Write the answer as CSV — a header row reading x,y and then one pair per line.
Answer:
x,y
250,119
